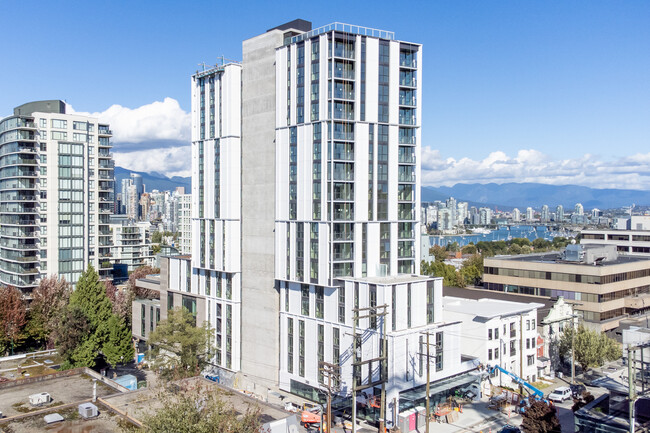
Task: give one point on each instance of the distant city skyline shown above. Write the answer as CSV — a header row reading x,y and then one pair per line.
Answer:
x,y
538,91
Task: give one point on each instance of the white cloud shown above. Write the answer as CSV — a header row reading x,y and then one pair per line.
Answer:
x,y
170,161
530,165
152,137
157,122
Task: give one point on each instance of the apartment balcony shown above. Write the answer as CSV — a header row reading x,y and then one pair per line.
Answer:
x,y
17,232
12,256
17,159
104,155
407,120
15,148
17,172
104,131
18,208
405,215
21,282
14,220
408,61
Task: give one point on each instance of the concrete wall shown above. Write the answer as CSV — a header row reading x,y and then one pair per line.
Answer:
x,y
260,299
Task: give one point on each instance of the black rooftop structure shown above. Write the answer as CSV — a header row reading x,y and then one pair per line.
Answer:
x,y
302,25
51,106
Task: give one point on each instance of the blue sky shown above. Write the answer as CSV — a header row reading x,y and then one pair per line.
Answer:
x,y
549,91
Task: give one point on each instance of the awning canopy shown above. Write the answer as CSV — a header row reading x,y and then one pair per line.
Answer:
x,y
420,392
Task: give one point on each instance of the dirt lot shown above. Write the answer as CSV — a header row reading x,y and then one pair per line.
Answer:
x,y
15,401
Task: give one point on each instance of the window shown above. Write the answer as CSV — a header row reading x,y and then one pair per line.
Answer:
x,y
513,348
319,302
496,333
143,327
527,325
304,292
531,359
439,351
59,124
527,343
286,298
489,354
321,352
496,354
489,334
430,301
58,135
290,345
532,324
301,348
341,304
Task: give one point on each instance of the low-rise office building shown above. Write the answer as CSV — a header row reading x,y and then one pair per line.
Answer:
x,y
632,242
604,286
497,332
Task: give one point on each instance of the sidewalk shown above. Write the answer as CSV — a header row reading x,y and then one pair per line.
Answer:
x,y
476,417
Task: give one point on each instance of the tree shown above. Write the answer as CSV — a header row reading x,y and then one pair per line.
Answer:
x,y
90,296
592,348
472,270
117,347
540,418
106,335
139,292
469,249
13,312
200,410
49,301
452,278
179,348
73,328
453,247
439,253
122,301
156,237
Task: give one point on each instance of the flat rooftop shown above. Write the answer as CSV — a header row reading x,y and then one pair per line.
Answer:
x,y
487,308
556,258
397,279
480,293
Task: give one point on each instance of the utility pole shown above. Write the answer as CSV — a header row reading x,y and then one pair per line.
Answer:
x,y
573,349
331,371
428,356
382,359
631,360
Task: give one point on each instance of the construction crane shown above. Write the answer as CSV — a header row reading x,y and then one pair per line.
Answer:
x,y
534,391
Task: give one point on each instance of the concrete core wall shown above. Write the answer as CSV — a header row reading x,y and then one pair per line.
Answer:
x,y
260,299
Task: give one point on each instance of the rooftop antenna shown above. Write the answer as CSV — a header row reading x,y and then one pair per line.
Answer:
x,y
203,65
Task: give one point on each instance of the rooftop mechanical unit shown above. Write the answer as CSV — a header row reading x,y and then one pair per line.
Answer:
x,y
88,410
39,399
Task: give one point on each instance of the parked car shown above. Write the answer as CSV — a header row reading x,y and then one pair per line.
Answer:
x,y
560,394
577,389
509,429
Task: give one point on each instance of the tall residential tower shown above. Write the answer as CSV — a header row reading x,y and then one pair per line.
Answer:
x,y
305,198
56,194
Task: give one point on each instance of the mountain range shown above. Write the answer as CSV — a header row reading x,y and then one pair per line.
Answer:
x,y
153,180
535,195
503,196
